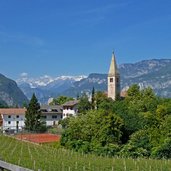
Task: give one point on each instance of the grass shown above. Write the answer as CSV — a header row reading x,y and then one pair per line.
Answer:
x,y
47,158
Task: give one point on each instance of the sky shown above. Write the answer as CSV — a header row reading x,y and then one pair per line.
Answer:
x,y
77,37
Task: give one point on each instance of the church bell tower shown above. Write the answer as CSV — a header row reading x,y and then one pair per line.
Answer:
x,y
113,80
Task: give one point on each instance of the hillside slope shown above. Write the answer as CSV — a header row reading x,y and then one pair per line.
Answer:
x,y
154,73
10,93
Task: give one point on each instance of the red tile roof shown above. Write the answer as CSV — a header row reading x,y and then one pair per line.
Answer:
x,y
13,111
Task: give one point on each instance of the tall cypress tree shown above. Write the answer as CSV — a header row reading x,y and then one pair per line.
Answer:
x,y
93,99
33,116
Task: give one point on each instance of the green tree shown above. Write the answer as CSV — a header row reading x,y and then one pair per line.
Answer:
x,y
33,116
61,100
93,99
164,150
84,105
138,145
102,101
97,131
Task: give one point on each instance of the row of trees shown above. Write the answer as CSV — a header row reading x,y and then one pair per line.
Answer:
x,y
136,126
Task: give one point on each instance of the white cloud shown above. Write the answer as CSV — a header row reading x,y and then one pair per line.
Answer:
x,y
24,74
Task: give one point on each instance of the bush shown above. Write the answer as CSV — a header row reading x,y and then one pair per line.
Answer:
x,y
132,151
108,150
164,150
138,145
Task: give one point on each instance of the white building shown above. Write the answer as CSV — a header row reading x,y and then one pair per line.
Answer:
x,y
51,114
12,119
70,108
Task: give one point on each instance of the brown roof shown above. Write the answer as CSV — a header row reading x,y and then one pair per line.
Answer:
x,y
71,103
13,111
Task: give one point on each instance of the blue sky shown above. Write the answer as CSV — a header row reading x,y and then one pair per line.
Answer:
x,y
75,37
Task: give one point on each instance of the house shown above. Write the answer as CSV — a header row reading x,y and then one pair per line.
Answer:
x,y
51,114
12,119
70,108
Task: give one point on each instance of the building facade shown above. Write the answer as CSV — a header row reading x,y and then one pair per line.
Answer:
x,y
70,108
51,114
113,80
12,119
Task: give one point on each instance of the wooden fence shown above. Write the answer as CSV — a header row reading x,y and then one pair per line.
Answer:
x,y
11,167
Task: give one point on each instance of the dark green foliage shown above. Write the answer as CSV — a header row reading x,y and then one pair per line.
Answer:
x,y
33,120
93,105
103,102
164,150
84,105
138,145
97,130
137,126
61,100
65,122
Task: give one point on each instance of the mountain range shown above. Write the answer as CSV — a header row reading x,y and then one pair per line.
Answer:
x,y
46,86
155,73
10,93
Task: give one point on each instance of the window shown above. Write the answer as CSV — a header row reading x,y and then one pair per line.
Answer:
x,y
54,110
9,122
43,110
9,116
117,80
17,116
111,80
43,117
54,116
17,122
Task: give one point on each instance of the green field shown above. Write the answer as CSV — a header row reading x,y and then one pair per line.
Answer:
x,y
47,158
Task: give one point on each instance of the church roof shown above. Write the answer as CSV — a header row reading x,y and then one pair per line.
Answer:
x,y
113,66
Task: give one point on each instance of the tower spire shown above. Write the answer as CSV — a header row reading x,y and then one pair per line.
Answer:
x,y
113,79
113,70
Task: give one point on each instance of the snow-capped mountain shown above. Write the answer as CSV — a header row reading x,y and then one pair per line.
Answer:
x,y
46,86
46,80
155,73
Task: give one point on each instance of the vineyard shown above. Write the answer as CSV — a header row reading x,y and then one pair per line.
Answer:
x,y
47,158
